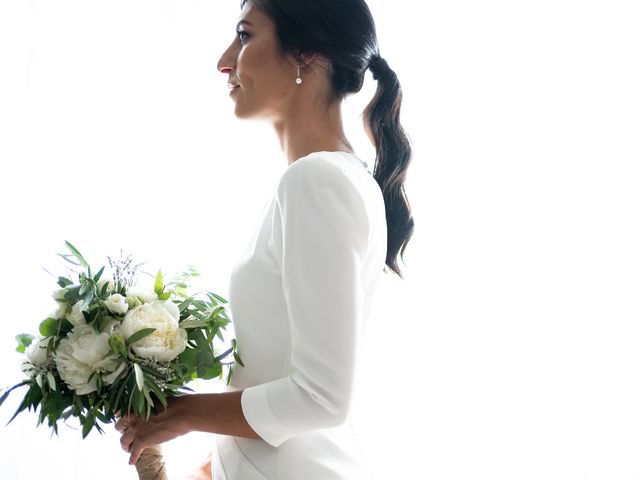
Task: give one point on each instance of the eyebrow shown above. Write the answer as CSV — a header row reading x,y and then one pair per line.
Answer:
x,y
244,21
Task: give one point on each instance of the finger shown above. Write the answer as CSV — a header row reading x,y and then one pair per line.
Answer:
x,y
126,440
136,451
122,424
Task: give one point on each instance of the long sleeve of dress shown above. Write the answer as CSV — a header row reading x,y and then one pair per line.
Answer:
x,y
320,240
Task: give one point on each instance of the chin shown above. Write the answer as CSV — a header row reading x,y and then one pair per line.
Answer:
x,y
248,114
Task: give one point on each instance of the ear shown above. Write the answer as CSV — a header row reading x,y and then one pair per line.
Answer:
x,y
305,59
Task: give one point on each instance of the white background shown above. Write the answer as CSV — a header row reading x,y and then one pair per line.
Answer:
x,y
512,348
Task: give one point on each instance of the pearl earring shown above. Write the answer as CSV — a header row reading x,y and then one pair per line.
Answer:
x,y
298,79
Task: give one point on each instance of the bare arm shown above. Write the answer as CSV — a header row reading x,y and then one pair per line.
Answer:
x,y
207,412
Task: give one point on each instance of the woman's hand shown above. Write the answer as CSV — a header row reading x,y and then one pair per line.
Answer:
x,y
138,433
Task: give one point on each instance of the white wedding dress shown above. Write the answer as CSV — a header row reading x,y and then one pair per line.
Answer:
x,y
300,298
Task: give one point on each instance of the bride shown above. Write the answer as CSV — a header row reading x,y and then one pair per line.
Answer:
x,y
301,292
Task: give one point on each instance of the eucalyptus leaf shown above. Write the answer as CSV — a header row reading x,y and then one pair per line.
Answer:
x,y
50,326
24,339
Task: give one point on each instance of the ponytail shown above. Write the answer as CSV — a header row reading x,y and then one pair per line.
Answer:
x,y
393,156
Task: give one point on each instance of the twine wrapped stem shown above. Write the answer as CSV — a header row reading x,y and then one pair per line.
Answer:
x,y
150,465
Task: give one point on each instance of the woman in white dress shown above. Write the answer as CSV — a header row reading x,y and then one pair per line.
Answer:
x,y
300,294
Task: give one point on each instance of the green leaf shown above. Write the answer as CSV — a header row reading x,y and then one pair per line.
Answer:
x,y
200,339
98,275
64,282
193,323
77,254
158,287
139,376
164,296
140,334
184,305
159,394
237,358
51,381
88,424
118,345
205,361
5,395
217,297
189,357
24,340
72,295
31,398
212,372
54,326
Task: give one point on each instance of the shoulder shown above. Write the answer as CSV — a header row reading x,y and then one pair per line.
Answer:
x,y
320,171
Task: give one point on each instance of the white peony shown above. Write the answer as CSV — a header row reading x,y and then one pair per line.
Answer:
x,y
111,326
36,354
117,303
110,378
76,317
81,353
167,342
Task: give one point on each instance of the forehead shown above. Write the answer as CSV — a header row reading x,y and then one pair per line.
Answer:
x,y
252,16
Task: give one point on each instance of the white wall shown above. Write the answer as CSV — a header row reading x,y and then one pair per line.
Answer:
x,y
510,350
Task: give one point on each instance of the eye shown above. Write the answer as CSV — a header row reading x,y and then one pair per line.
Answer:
x,y
243,36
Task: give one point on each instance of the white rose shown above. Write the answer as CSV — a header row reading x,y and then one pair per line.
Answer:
x,y
36,354
81,353
60,311
167,342
58,295
144,294
117,303
76,316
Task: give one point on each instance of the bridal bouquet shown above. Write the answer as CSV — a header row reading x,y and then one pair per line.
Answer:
x,y
113,348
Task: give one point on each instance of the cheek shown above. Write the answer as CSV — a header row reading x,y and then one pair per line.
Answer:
x,y
260,70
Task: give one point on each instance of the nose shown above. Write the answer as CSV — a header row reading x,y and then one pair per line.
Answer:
x,y
227,60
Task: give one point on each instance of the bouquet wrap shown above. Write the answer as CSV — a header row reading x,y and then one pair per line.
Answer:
x,y
150,465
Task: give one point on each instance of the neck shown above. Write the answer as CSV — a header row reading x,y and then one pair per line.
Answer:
x,y
307,130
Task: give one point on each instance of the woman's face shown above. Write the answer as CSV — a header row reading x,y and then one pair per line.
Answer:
x,y
262,81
